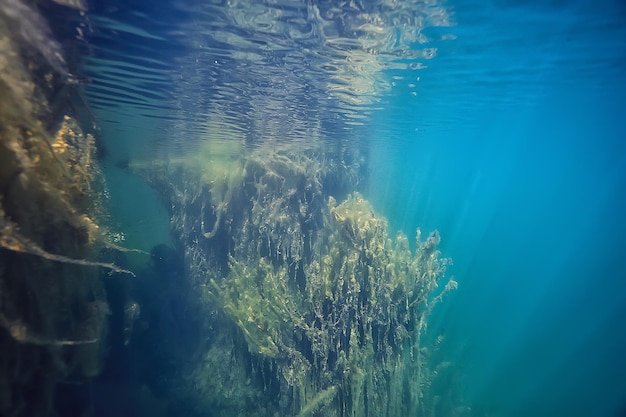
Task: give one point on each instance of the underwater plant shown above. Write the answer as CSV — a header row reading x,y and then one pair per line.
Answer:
x,y
53,306
312,308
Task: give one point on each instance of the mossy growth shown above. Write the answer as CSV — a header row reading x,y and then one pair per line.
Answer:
x,y
53,309
322,311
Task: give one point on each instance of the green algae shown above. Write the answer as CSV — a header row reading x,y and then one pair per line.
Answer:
x,y
322,311
53,308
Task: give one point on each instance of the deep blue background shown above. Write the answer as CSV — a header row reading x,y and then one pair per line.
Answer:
x,y
515,149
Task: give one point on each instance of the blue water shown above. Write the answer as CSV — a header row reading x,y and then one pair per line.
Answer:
x,y
510,141
515,149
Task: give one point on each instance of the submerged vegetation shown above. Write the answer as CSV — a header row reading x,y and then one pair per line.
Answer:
x,y
299,302
53,307
310,308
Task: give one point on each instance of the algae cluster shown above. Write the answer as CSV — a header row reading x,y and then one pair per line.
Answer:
x,y
310,308
53,309
307,307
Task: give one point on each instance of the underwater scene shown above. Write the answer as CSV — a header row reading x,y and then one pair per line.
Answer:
x,y
289,208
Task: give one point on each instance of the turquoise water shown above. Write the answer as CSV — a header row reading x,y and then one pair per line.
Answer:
x,y
515,149
500,124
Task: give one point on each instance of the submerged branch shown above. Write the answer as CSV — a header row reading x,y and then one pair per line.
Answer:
x,y
12,240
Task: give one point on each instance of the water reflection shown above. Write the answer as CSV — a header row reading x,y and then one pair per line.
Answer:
x,y
256,71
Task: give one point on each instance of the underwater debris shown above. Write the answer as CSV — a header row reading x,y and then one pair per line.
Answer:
x,y
132,312
321,308
11,239
320,401
23,334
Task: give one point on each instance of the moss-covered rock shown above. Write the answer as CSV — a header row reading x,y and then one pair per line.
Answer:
x,y
53,309
322,312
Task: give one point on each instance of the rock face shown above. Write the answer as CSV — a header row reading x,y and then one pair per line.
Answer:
x,y
53,310
310,307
